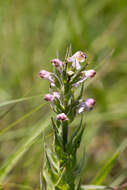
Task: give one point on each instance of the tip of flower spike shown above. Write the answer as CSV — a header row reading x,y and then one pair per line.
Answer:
x,y
56,62
61,117
49,97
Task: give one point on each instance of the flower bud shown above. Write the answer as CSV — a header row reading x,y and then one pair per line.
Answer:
x,y
56,62
44,74
47,75
90,73
49,97
70,73
61,117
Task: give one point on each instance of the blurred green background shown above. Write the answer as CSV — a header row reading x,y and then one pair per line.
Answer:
x,y
32,32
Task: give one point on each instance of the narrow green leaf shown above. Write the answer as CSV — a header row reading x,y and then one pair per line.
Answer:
x,y
105,170
85,187
23,147
18,100
109,164
75,133
80,165
79,185
21,119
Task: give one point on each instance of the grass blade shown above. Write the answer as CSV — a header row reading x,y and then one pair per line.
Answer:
x,y
21,119
109,164
18,100
14,157
105,170
85,187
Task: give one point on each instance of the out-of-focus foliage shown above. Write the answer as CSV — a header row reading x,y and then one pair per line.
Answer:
x,y
31,34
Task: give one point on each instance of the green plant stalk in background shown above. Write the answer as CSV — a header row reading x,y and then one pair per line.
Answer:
x,y
61,167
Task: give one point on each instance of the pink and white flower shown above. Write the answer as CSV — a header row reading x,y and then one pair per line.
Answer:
x,y
44,74
86,74
62,117
87,105
76,59
90,73
56,95
47,75
49,97
57,62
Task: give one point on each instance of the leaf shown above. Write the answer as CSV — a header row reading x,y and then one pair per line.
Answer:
x,y
49,171
53,162
21,119
80,165
58,145
109,164
61,184
69,145
18,100
85,187
23,147
77,140
79,185
105,170
42,182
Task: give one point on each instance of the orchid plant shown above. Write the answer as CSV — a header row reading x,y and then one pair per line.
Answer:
x,y
61,168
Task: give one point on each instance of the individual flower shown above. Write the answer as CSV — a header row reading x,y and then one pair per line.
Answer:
x,y
86,74
90,73
61,116
56,95
47,75
76,59
44,74
49,97
56,62
87,105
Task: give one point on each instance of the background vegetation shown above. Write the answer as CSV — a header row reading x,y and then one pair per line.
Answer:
x,y
31,34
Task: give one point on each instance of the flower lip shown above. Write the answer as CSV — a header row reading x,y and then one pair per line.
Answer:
x,y
56,62
61,116
49,97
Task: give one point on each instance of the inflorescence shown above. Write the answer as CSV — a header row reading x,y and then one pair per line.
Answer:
x,y
61,167
73,71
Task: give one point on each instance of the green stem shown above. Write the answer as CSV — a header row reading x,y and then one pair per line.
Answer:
x,y
65,133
